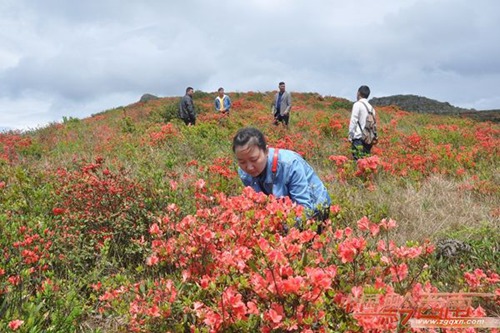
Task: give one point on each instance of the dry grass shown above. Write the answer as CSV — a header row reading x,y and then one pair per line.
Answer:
x,y
98,323
431,211
438,207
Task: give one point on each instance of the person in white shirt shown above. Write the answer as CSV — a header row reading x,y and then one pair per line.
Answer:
x,y
358,120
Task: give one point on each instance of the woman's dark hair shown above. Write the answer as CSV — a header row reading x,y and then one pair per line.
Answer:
x,y
249,135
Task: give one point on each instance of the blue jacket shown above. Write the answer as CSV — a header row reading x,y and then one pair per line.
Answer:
x,y
226,103
295,179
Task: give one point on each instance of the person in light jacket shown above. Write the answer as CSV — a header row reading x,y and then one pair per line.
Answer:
x,y
282,105
222,102
293,177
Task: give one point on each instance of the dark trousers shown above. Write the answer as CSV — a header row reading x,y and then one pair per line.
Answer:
x,y
189,120
360,149
279,118
320,216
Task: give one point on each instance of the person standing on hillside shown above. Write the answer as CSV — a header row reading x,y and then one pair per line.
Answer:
x,y
282,105
222,102
359,115
282,173
186,108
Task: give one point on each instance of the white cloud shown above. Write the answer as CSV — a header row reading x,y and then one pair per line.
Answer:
x,y
24,113
78,58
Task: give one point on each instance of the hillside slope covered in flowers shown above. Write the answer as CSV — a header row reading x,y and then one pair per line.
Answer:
x,y
129,221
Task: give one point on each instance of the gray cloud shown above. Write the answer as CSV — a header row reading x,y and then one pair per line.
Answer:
x,y
77,58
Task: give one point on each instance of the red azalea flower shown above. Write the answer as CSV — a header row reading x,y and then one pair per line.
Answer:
x,y
15,324
58,211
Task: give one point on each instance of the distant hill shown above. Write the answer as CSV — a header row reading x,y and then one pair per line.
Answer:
x,y
420,104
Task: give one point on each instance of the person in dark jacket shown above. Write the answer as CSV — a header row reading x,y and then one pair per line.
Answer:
x,y
186,108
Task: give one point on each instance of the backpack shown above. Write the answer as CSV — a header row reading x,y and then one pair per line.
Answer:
x,y
369,133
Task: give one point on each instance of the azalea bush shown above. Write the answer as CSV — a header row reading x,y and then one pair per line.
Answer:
x,y
96,206
131,221
239,271
232,267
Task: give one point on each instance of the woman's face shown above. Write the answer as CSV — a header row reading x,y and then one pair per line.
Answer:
x,y
251,159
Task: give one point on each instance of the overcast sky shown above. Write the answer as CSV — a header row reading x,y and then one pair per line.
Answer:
x,y
74,58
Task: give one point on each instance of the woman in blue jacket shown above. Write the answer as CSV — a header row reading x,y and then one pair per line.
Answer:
x,y
280,172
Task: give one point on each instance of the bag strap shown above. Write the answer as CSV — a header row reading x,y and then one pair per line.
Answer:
x,y
359,125
370,112
274,168
367,108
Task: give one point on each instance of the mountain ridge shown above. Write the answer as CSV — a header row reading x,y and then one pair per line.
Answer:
x,y
406,102
421,104
415,103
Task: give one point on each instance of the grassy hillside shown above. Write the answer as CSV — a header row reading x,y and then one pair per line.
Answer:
x,y
131,221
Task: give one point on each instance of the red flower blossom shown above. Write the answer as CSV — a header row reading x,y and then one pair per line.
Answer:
x,y
58,211
14,280
357,291
339,233
363,224
15,324
275,314
388,224
334,209
97,286
399,272
154,229
152,260
292,285
252,308
374,229
275,317
200,184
